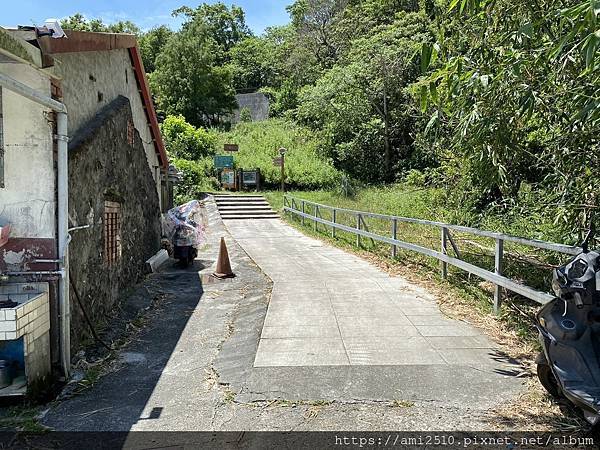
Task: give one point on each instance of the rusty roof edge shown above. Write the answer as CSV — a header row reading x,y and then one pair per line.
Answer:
x,y
147,99
85,41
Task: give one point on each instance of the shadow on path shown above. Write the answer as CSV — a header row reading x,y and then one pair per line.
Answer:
x,y
117,400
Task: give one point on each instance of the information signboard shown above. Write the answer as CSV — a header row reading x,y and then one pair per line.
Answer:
x,y
228,178
223,162
250,178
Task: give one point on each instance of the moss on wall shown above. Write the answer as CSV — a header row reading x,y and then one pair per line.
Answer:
x,y
12,45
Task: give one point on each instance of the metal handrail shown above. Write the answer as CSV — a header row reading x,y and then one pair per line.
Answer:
x,y
496,277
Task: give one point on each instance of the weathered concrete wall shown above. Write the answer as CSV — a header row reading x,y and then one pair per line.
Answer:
x,y
27,201
95,79
104,166
257,103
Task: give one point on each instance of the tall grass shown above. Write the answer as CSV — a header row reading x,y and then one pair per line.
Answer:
x,y
259,143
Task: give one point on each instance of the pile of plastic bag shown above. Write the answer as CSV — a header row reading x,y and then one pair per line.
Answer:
x,y
183,225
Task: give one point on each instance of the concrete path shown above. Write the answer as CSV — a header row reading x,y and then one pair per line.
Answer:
x,y
192,367
331,308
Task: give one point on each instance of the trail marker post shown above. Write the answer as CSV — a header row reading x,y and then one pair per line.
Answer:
x,y
282,151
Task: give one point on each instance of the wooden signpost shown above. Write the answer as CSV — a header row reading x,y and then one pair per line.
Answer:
x,y
231,148
282,151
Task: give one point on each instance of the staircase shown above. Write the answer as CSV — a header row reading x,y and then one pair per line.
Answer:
x,y
237,207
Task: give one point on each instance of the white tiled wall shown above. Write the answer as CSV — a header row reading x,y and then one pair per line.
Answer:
x,y
30,320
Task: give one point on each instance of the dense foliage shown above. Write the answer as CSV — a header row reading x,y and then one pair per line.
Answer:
x,y
189,78
494,102
305,167
515,95
197,177
184,141
79,22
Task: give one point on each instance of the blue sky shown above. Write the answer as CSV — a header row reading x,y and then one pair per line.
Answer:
x,y
146,13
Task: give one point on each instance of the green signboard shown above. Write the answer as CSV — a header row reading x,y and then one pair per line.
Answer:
x,y
250,177
224,162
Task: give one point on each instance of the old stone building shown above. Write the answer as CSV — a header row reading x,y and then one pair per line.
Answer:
x,y
118,173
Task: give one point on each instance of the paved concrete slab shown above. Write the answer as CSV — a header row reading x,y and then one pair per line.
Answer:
x,y
458,342
302,331
351,327
331,308
301,352
447,330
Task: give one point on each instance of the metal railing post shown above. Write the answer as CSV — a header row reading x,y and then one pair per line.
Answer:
x,y
316,214
499,254
303,211
358,220
334,221
394,237
444,264
496,276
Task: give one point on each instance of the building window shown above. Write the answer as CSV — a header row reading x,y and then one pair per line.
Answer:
x,y
1,143
112,232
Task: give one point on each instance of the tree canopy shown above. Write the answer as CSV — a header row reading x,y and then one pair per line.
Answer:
x,y
497,101
79,22
188,81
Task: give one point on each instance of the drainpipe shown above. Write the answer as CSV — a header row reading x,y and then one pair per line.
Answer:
x,y
63,238
62,207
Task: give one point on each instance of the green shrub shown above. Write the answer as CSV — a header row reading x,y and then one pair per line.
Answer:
x,y
197,178
415,178
347,187
184,141
245,115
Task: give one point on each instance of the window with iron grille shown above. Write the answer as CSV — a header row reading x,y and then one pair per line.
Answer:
x,y
112,232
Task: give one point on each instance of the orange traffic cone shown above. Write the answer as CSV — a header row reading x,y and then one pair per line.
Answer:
x,y
223,264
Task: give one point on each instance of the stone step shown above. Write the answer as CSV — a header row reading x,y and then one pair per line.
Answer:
x,y
255,203
241,203
244,207
237,217
248,212
219,198
223,205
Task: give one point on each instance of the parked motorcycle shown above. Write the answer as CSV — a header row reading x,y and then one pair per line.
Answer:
x,y
183,225
185,253
569,330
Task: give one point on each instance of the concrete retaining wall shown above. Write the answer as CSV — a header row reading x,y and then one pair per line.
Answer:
x,y
257,103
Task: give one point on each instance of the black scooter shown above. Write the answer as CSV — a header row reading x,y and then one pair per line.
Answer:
x,y
569,328
185,254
